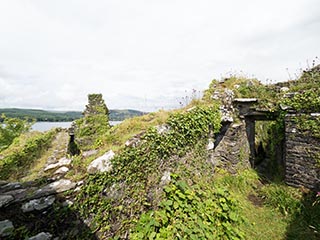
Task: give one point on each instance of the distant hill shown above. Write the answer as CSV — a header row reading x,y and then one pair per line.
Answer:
x,y
60,116
119,115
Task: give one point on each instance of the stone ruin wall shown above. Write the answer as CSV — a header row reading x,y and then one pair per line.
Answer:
x,y
302,157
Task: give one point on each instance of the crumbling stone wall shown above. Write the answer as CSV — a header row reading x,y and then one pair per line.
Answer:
x,y
302,156
92,126
95,106
231,149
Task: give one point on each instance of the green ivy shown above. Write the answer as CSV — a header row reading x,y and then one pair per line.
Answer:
x,y
309,125
123,194
307,101
191,212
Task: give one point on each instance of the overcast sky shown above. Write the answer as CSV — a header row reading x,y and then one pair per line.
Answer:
x,y
146,54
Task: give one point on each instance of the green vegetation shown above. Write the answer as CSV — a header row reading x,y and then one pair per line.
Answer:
x,y
243,87
10,128
94,124
306,100
135,170
200,211
162,186
24,150
197,203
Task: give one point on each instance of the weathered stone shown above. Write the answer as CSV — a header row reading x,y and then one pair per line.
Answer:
x,y
226,118
231,148
38,204
89,153
2,183
116,191
67,203
20,194
80,183
6,228
133,142
62,162
62,170
215,95
41,236
163,129
101,164
5,199
10,186
301,152
59,186
210,145
166,178
284,89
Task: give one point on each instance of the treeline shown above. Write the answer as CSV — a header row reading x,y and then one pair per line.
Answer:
x,y
119,115
52,116
40,115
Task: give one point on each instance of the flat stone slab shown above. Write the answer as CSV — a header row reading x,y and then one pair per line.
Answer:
x,y
245,100
41,236
59,186
5,199
62,162
2,182
21,194
101,164
6,228
62,170
38,204
89,153
10,186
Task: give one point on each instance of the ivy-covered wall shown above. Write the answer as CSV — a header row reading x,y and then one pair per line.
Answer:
x,y
302,154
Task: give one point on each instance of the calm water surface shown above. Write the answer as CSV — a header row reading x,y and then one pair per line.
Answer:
x,y
45,126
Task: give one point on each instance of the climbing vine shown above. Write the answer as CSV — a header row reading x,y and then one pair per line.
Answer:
x,y
191,212
123,194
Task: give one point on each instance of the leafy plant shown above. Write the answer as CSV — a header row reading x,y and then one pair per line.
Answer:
x,y
124,193
23,152
286,200
10,128
191,212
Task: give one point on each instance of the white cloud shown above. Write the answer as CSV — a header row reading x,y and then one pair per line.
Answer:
x,y
144,54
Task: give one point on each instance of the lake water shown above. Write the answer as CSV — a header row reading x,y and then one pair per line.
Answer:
x,y
45,126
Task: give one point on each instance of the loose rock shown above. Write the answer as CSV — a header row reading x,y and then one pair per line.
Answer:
x,y
62,162
163,129
11,186
59,186
3,182
166,178
210,145
89,153
38,204
101,164
41,236
6,228
62,170
5,199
